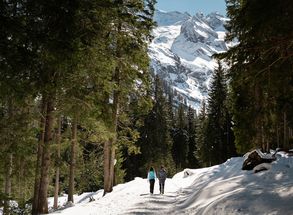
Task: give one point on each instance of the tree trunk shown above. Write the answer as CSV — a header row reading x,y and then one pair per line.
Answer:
x,y
7,188
112,173
8,165
278,136
24,181
21,180
268,146
107,160
258,122
44,180
58,141
109,146
285,145
263,139
39,157
72,161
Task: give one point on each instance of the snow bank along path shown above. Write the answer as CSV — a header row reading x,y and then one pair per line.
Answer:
x,y
223,189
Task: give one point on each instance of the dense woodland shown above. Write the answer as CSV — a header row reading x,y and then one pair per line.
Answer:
x,y
81,110
261,72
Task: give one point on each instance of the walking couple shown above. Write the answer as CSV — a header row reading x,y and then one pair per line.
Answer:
x,y
162,175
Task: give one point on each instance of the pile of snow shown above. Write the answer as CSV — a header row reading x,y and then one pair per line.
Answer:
x,y
261,154
222,189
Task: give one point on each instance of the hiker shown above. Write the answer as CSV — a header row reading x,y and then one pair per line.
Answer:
x,y
151,179
162,175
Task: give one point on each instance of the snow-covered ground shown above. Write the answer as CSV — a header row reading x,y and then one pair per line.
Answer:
x,y
223,189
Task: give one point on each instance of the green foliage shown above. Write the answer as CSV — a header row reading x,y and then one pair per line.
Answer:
x,y
67,52
90,177
192,144
260,72
180,138
220,135
17,142
214,134
155,137
202,152
119,171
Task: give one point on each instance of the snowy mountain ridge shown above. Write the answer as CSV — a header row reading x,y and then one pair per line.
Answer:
x,y
182,49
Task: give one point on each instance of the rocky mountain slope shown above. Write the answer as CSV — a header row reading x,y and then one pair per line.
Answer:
x,y
182,49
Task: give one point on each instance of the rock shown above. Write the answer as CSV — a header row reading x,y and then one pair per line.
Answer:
x,y
187,173
69,204
262,167
91,199
255,158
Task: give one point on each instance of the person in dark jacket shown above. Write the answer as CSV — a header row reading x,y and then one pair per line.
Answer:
x,y
162,175
151,179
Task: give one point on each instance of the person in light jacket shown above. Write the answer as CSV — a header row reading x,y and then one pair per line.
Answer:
x,y
162,175
151,179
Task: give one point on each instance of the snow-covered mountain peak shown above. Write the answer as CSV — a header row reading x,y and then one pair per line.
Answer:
x,y
182,49
199,15
170,18
216,21
196,30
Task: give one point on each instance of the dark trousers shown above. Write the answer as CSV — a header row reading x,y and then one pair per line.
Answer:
x,y
162,185
152,184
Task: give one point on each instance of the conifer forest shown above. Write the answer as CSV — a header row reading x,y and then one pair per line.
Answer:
x,y
81,109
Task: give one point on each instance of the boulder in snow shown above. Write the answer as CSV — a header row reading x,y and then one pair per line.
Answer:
x,y
255,158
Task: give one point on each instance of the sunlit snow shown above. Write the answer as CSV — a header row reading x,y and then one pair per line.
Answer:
x,y
223,189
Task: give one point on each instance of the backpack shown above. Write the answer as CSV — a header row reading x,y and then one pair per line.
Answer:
x,y
162,174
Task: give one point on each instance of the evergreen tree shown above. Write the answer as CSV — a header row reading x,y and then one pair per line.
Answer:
x,y
48,43
17,131
130,134
17,144
155,141
219,123
202,152
192,119
260,71
130,33
180,140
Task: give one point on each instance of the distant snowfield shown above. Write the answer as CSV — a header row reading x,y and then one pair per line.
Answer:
x,y
223,189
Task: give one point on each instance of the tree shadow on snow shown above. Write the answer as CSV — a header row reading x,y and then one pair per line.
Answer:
x,y
153,204
228,189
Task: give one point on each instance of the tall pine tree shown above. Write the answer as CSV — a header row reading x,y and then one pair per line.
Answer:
x,y
180,138
192,145
219,123
261,72
155,141
202,151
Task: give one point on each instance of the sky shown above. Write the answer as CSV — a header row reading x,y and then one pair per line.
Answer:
x,y
221,189
193,6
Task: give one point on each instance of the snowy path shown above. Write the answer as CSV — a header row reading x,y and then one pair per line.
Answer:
x,y
223,189
130,198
